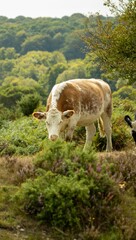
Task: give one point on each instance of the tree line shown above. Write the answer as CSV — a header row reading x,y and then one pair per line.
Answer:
x,y
26,34
37,53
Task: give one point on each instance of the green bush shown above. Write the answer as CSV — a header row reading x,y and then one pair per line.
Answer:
x,y
22,137
7,114
71,189
121,131
121,137
28,103
126,92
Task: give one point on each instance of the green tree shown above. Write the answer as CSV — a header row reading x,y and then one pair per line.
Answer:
x,y
58,41
74,46
75,69
13,88
28,103
8,53
56,69
20,38
37,42
114,42
93,68
6,67
7,38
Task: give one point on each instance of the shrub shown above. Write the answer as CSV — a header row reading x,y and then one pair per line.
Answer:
x,y
21,137
72,189
126,92
28,103
124,171
7,114
121,137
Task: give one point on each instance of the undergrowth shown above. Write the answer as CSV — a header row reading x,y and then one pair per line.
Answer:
x,y
81,192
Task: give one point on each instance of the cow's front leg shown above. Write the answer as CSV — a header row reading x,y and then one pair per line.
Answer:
x,y
90,132
69,134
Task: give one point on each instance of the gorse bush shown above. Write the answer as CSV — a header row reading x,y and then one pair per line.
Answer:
x,y
71,189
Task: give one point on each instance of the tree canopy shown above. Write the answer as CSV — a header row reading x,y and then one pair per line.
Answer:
x,y
114,42
26,34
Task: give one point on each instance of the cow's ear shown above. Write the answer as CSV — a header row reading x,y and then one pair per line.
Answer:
x,y
68,113
39,115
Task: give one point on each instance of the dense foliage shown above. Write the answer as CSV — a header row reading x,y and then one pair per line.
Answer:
x,y
77,191
114,41
25,34
36,73
68,188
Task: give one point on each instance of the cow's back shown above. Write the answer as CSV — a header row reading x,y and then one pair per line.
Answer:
x,y
80,95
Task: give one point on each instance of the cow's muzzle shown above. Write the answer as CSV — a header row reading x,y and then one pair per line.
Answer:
x,y
53,137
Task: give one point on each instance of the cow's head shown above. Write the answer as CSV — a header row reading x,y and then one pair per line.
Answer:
x,y
55,121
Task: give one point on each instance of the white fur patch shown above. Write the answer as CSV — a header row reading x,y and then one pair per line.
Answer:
x,y
56,91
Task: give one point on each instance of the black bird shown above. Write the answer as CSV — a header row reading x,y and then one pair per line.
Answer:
x,y
131,124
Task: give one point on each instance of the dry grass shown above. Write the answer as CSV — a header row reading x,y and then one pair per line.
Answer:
x,y
15,170
116,155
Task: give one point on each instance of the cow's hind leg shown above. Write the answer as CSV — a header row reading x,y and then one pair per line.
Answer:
x,y
90,132
108,131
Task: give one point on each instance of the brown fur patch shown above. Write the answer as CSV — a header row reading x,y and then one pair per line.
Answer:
x,y
84,96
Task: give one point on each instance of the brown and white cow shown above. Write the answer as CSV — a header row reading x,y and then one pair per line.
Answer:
x,y
78,102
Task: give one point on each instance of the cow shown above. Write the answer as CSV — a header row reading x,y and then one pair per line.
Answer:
x,y
131,124
79,102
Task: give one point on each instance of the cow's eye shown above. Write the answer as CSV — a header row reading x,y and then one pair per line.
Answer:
x,y
47,123
60,121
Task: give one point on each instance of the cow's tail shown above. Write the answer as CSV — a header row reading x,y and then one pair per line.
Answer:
x,y
101,127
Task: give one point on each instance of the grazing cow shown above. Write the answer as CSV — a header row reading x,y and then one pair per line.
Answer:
x,y
132,125
79,102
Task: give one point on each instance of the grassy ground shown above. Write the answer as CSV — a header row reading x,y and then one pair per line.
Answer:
x,y
14,225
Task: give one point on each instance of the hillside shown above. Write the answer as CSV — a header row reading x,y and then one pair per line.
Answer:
x,y
55,190
26,34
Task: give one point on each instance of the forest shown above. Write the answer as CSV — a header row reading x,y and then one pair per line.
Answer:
x,y
55,189
35,54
